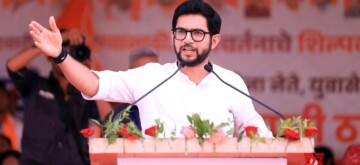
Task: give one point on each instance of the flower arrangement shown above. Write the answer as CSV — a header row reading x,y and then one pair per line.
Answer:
x,y
295,129
112,129
204,128
292,129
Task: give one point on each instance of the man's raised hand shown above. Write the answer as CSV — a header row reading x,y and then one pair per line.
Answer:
x,y
48,40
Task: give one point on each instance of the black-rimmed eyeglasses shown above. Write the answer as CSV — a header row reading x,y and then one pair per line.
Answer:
x,y
196,34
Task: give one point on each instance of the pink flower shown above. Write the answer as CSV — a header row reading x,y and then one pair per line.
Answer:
x,y
188,132
218,136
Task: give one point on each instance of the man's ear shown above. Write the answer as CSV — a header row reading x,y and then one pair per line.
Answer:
x,y
215,40
172,37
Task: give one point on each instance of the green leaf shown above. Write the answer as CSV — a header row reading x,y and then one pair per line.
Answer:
x,y
189,119
240,136
262,140
230,132
157,121
96,122
112,138
111,116
222,125
173,133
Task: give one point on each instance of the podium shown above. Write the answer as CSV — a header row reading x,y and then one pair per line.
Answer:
x,y
182,151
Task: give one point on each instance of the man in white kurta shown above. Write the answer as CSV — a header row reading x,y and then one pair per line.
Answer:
x,y
195,33
179,97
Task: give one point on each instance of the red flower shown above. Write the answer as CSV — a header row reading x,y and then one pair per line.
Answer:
x,y
152,131
87,132
123,132
132,137
250,129
291,134
310,132
120,133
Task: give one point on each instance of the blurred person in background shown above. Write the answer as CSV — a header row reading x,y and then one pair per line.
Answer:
x,y
10,157
55,111
11,125
139,57
142,56
328,158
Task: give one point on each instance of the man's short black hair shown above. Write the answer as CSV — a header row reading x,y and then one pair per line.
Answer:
x,y
199,7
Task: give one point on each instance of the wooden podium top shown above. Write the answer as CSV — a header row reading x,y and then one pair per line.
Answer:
x,y
103,153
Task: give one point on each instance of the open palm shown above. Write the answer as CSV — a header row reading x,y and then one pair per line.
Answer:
x,y
48,40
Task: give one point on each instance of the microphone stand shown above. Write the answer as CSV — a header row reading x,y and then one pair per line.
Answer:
x,y
181,65
208,67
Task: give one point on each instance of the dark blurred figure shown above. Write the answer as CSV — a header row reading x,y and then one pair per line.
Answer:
x,y
328,158
138,58
55,111
142,56
10,157
11,125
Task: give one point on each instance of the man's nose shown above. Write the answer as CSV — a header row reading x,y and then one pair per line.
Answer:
x,y
188,37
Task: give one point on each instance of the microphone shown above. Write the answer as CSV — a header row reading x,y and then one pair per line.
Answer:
x,y
209,68
181,65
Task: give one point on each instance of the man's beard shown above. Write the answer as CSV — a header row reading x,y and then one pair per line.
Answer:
x,y
199,57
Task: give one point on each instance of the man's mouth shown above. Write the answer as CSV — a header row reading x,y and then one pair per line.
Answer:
x,y
187,49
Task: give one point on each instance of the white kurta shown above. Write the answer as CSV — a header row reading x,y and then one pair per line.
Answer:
x,y
179,97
